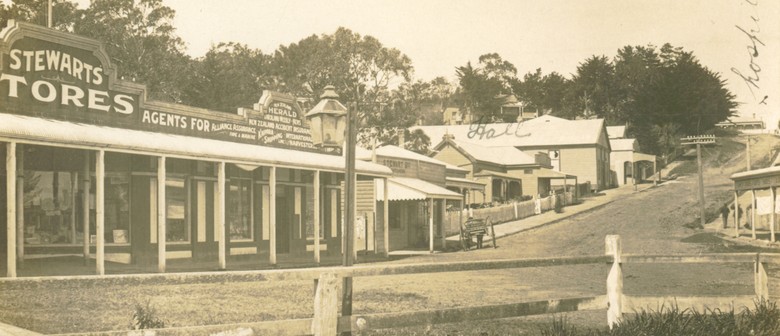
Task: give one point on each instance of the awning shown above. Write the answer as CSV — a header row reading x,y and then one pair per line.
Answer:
x,y
643,157
50,132
464,183
408,189
549,173
488,173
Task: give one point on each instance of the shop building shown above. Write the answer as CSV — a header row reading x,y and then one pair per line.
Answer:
x,y
94,169
419,193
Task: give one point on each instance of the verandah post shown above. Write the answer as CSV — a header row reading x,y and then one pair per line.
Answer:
x,y
222,239
100,220
161,214
10,173
614,281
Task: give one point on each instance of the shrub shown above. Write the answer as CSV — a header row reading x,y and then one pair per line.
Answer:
x,y
145,317
763,320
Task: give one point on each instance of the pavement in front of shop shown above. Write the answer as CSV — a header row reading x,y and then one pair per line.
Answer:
x,y
586,204
744,236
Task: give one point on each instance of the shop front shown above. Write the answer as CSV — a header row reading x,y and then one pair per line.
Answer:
x,y
93,169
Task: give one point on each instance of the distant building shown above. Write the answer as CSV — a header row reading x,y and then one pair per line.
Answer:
x,y
748,126
511,109
576,147
629,164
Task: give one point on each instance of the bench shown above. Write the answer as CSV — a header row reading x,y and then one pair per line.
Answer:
x,y
476,227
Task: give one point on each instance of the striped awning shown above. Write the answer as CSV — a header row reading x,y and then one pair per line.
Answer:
x,y
409,189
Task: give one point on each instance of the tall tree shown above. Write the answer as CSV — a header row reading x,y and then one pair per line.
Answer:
x,y
140,37
594,91
479,93
230,75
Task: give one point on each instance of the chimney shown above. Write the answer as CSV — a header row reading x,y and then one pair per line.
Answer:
x,y
401,139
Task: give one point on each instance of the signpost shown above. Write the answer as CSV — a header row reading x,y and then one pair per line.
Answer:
x,y
699,140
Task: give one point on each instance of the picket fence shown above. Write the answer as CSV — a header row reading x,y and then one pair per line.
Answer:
x,y
502,213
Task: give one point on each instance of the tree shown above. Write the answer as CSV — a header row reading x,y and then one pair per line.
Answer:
x,y
479,92
64,13
360,67
140,38
230,75
594,91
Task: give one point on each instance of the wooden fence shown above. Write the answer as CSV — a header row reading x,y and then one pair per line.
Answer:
x,y
502,213
325,320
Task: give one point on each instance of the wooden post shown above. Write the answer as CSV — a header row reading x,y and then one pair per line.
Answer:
x,y
316,186
100,218
272,216
326,309
736,214
753,213
441,224
656,174
430,224
702,220
565,188
10,207
760,279
161,214
386,217
74,187
222,243
86,185
20,206
614,282
772,217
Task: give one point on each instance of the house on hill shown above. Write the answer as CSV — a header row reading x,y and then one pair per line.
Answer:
x,y
629,164
575,147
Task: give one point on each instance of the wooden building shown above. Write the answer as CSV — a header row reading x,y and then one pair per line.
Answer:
x,y
94,169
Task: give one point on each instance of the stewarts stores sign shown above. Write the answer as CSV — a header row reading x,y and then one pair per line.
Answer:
x,y
49,74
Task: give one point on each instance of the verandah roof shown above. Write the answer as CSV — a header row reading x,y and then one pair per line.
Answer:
x,y
27,129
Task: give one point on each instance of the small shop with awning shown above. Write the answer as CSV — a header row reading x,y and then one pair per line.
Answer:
x,y
417,195
761,208
95,170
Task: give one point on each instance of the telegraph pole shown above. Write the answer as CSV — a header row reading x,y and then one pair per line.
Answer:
x,y
698,141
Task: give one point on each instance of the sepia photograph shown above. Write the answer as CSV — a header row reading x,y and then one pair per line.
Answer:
x,y
389,167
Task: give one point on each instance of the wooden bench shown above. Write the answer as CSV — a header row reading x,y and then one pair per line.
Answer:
x,y
476,227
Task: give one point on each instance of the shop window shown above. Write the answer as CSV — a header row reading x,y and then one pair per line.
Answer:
x,y
117,208
49,202
176,229
395,215
309,216
238,209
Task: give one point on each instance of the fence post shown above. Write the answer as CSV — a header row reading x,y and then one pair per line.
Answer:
x,y
760,279
614,281
326,308
515,204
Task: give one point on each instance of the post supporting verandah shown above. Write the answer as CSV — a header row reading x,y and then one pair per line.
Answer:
x,y
220,209
386,216
20,206
10,173
161,214
100,218
316,214
430,224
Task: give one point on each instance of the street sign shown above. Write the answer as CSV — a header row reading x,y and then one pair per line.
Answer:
x,y
698,139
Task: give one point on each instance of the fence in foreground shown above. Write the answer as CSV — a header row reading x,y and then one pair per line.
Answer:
x,y
325,320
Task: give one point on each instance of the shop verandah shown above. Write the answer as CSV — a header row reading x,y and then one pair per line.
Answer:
x,y
214,202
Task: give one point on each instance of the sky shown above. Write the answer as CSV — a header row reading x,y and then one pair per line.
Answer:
x,y
554,35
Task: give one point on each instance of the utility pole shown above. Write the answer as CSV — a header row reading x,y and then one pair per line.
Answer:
x,y
48,15
748,152
698,141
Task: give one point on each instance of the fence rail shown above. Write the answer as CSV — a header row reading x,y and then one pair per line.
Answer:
x,y
328,279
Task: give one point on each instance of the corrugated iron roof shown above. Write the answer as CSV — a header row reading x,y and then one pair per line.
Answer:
x,y
409,189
